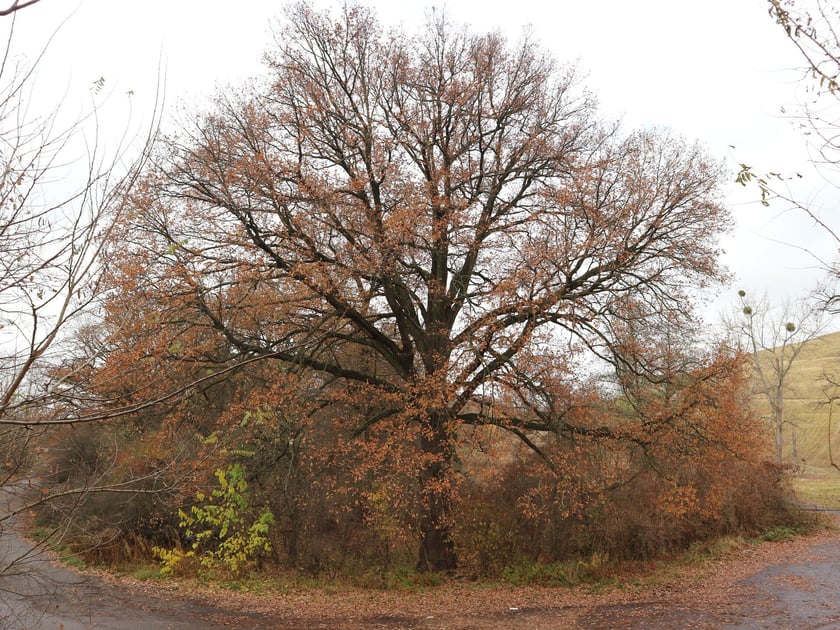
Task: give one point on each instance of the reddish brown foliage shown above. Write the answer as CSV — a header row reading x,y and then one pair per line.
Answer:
x,y
426,235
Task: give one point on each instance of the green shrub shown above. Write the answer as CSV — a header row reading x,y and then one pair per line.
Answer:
x,y
781,533
222,529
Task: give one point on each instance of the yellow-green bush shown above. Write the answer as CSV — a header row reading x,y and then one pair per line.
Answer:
x,y
222,529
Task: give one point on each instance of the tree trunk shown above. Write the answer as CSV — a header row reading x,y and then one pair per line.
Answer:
x,y
437,552
778,426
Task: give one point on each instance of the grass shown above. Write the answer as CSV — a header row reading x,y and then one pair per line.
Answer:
x,y
781,533
41,533
593,571
818,488
68,558
816,481
712,549
64,553
816,423
146,572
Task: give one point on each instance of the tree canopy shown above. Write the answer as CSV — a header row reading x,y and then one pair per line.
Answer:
x,y
436,223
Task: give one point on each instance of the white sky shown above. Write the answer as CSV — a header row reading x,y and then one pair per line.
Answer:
x,y
714,70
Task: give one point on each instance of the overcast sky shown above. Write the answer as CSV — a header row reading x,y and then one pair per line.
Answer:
x,y
718,71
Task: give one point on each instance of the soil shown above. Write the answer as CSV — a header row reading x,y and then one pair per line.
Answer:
x,y
788,584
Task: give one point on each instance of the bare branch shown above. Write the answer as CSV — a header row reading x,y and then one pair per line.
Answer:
x,y
17,5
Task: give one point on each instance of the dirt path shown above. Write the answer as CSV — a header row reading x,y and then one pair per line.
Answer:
x,y
792,584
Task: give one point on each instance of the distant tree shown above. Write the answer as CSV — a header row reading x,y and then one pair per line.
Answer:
x,y
831,394
432,222
774,337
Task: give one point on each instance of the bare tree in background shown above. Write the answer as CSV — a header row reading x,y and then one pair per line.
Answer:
x,y
774,337
831,394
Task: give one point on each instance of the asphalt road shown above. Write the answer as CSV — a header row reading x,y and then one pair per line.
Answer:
x,y
36,594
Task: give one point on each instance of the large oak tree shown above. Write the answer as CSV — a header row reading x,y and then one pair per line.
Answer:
x,y
438,218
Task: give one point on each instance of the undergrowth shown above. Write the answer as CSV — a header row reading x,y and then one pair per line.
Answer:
x,y
597,571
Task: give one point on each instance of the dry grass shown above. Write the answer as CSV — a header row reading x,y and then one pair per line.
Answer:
x,y
818,486
816,423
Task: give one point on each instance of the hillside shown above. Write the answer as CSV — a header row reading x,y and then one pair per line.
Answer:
x,y
806,404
